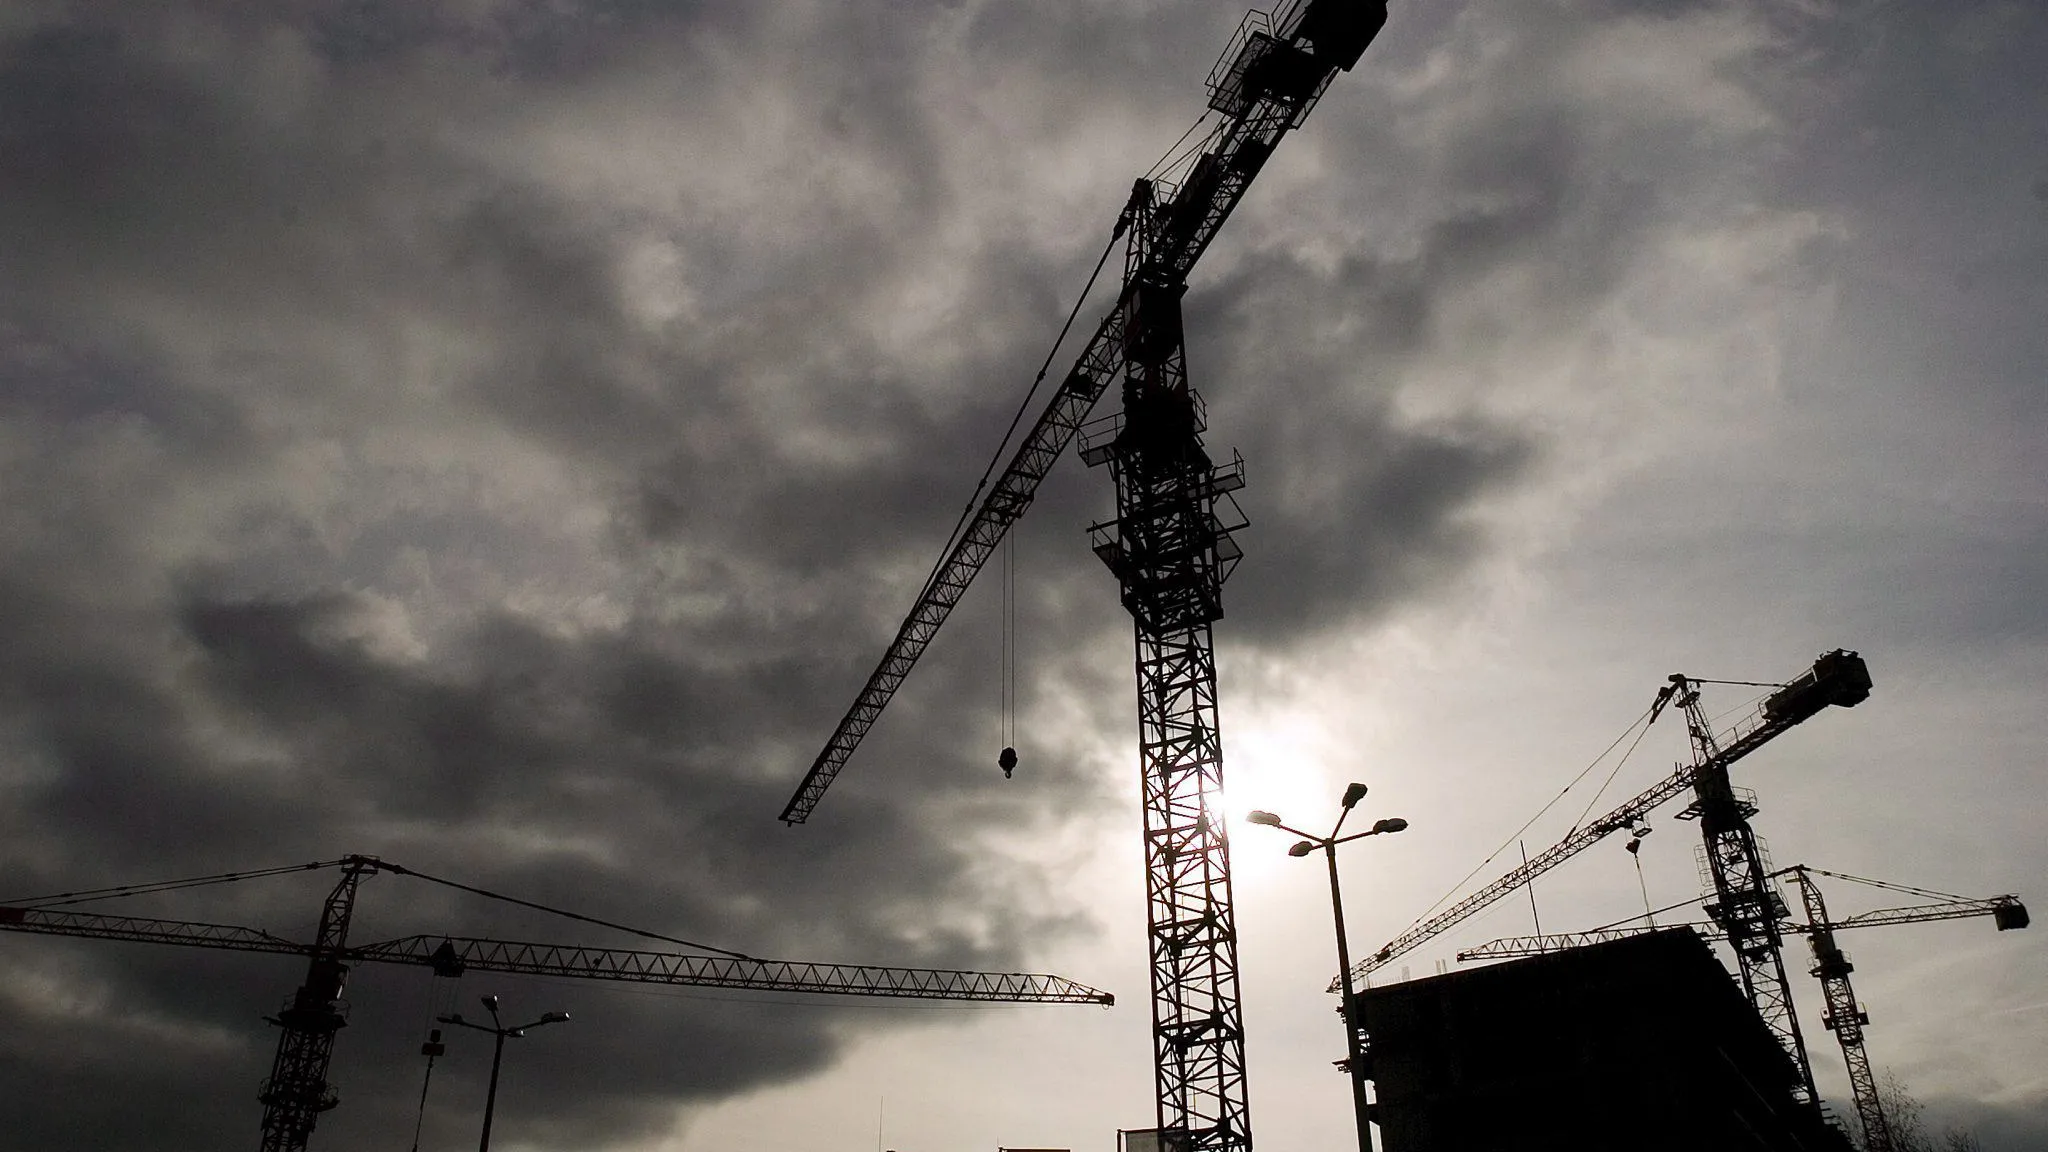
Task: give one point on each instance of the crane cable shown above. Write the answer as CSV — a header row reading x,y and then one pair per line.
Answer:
x,y
80,897
83,896
1174,158
1642,721
1906,888
1008,676
1116,233
1651,915
1009,652
420,1121
1618,765
967,510
1642,883
440,996
402,871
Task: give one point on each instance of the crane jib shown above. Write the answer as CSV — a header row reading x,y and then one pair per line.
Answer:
x,y
1839,678
1277,71
454,955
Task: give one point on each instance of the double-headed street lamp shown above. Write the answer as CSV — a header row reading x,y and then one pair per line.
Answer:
x,y
497,1029
1352,795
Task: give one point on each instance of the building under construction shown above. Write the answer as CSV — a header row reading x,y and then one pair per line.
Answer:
x,y
1642,1042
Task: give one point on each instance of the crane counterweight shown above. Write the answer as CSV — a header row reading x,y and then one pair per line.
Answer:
x,y
1839,678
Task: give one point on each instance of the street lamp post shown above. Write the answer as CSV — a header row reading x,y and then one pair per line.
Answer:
x,y
498,1030
1352,795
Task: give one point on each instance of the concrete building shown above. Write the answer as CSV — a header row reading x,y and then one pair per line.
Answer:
x,y
1644,1043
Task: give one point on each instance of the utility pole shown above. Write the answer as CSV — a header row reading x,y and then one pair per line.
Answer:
x,y
501,1033
1354,1035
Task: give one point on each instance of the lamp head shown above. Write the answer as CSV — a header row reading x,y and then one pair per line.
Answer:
x,y
554,1018
1391,824
1353,793
1267,818
491,1004
1303,848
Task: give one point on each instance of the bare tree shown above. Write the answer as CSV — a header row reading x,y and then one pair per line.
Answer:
x,y
1957,1140
1903,1115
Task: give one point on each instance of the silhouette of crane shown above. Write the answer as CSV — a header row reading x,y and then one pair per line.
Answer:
x,y
1844,1016
1744,903
1170,548
297,1091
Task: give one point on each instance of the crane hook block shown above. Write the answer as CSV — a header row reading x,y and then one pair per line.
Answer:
x,y
1007,762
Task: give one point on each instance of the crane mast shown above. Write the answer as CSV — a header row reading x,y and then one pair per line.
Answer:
x,y
1831,967
296,1091
1170,549
1745,903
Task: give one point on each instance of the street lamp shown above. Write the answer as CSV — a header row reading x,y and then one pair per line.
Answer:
x,y
497,1029
1353,793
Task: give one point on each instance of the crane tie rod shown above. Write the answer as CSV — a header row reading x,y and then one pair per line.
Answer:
x,y
1906,888
61,898
486,893
1516,834
1659,912
1605,784
967,510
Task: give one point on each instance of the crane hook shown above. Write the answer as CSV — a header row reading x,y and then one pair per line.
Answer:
x,y
1007,762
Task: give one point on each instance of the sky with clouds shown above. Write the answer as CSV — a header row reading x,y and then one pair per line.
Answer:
x,y
499,435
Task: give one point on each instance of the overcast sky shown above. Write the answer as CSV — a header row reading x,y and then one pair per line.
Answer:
x,y
499,435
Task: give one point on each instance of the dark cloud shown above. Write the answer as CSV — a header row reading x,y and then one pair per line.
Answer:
x,y
218,658
1998,1127
501,436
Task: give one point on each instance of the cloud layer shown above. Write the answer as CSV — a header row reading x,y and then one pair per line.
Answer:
x,y
500,435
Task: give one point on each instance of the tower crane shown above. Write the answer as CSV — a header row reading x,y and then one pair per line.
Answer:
x,y
1748,909
1170,548
1844,1017
297,1091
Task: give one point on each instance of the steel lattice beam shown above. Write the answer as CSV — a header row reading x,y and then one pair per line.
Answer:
x,y
1314,40
1745,903
470,954
145,930
1820,686
1843,1017
297,1092
1170,551
1508,946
